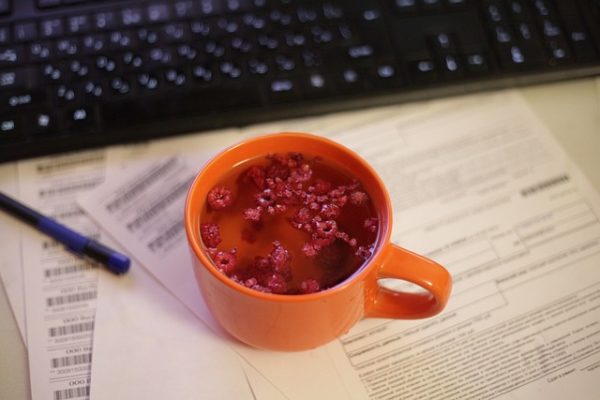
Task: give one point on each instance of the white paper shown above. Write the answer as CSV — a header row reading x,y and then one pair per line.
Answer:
x,y
157,348
485,190
60,288
456,180
11,272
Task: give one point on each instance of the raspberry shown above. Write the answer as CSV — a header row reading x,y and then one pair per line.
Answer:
x,y
210,234
219,198
265,198
225,261
276,283
310,249
358,198
370,224
363,252
256,175
280,260
329,211
301,174
332,257
253,214
309,286
321,186
324,233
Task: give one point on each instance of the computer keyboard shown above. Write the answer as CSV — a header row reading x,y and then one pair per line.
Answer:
x,y
77,74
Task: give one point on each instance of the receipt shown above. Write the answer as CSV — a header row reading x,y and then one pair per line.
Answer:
x,y
60,288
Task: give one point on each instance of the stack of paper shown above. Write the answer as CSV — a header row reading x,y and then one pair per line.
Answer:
x,y
477,184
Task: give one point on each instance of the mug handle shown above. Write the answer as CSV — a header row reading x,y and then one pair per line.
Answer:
x,y
399,263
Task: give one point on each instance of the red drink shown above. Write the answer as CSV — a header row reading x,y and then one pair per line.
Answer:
x,y
288,224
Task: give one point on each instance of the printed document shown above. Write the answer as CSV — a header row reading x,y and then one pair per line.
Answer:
x,y
59,287
482,188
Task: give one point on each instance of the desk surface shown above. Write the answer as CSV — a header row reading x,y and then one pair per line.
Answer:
x,y
571,110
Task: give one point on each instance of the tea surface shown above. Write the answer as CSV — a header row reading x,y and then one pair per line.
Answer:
x,y
288,224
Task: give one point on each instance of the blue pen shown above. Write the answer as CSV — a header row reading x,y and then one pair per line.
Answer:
x,y
77,243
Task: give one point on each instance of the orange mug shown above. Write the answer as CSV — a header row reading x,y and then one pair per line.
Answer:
x,y
304,321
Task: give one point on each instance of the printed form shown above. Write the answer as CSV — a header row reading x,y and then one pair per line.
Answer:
x,y
483,188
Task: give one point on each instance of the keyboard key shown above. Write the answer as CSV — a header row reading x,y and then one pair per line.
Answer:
x,y
10,127
65,95
79,24
158,12
405,6
11,79
283,90
41,51
94,44
51,28
41,122
384,76
4,34
317,85
105,20
11,56
25,31
476,63
67,47
80,119
423,70
132,16
184,9
21,99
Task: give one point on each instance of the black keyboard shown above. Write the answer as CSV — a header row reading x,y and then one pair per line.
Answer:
x,y
77,74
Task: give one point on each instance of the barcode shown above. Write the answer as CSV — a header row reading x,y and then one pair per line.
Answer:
x,y
70,298
70,329
71,188
70,393
70,161
71,360
167,235
141,184
160,205
68,269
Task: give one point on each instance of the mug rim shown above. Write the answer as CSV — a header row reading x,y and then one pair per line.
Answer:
x,y
190,215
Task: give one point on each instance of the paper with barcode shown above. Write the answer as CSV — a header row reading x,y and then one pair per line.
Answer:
x,y
60,288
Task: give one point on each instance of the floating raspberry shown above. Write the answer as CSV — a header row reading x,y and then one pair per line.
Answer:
x,y
219,198
301,174
310,249
256,175
332,257
363,252
370,224
309,286
281,260
321,186
358,198
324,232
329,211
265,198
225,261
210,234
276,283
253,214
